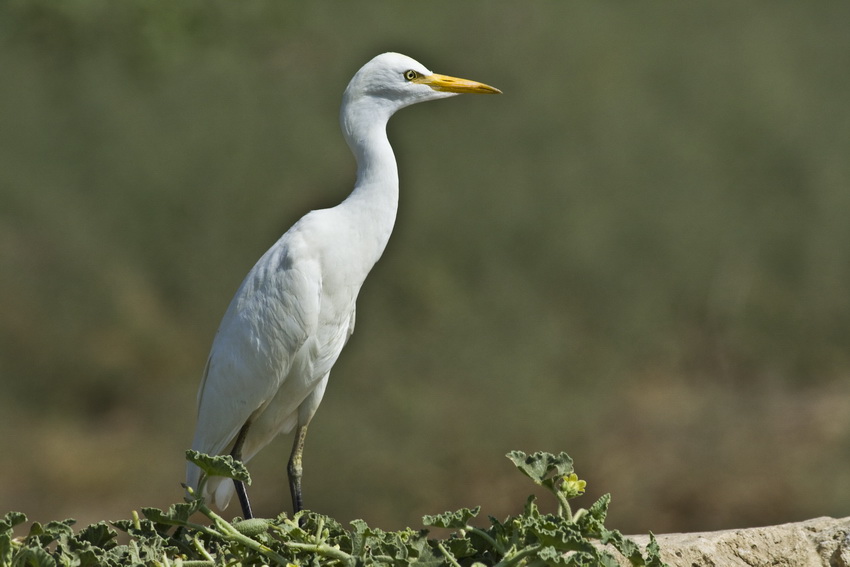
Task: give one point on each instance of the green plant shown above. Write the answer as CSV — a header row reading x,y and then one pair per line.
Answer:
x,y
172,537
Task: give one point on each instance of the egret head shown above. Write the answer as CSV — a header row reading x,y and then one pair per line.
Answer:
x,y
393,81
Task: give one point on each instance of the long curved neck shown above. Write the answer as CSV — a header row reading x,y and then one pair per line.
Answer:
x,y
374,200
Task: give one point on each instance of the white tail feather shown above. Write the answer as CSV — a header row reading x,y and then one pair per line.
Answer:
x,y
223,489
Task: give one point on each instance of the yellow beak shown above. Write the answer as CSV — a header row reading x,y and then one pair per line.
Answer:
x,y
455,85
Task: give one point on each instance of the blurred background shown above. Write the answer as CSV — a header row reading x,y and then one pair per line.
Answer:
x,y
639,254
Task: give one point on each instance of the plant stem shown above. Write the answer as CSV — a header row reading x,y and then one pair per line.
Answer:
x,y
485,536
514,559
449,557
229,532
201,549
321,549
563,506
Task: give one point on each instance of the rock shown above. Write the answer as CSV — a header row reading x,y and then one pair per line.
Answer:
x,y
821,542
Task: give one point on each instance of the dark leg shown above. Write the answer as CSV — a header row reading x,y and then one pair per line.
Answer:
x,y
236,453
295,468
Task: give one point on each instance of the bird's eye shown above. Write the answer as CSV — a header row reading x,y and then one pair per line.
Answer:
x,y
410,75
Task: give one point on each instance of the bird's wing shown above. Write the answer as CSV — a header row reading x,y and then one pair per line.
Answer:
x,y
269,319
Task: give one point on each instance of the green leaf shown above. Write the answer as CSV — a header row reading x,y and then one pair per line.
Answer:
x,y
92,558
593,522
5,549
372,546
36,529
12,519
59,527
367,542
629,549
456,520
541,467
560,534
146,527
531,509
50,532
7,525
358,538
219,465
177,514
653,553
460,547
99,535
33,557
419,549
599,510
556,558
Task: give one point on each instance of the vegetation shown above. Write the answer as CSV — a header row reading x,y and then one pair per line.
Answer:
x,y
639,254
173,538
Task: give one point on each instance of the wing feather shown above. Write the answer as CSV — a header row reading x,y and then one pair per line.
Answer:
x,y
269,319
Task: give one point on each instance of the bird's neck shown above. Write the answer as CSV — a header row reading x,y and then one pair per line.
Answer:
x,y
374,200
377,173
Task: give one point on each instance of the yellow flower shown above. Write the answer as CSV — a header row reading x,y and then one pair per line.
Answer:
x,y
572,486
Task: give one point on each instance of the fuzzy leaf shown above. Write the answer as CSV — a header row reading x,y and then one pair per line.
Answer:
x,y
460,547
52,531
36,529
629,549
219,465
358,538
146,528
599,510
593,522
99,535
5,549
653,553
552,556
561,535
541,467
557,558
12,519
91,558
456,520
531,509
177,514
33,557
405,547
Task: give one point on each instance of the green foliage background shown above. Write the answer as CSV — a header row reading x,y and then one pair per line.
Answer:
x,y
639,254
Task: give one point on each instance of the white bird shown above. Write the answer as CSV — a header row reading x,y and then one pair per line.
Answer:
x,y
292,315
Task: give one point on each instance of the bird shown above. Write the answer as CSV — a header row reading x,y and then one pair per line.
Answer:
x,y
292,315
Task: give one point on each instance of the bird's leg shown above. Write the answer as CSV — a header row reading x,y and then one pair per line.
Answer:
x,y
241,491
295,468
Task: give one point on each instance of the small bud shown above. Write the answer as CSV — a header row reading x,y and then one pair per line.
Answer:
x,y
571,486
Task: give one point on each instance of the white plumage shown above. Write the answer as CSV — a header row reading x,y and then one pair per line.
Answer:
x,y
292,315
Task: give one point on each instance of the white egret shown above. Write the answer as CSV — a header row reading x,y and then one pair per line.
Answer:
x,y
292,315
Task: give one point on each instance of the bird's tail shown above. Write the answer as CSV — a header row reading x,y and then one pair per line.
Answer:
x,y
217,489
